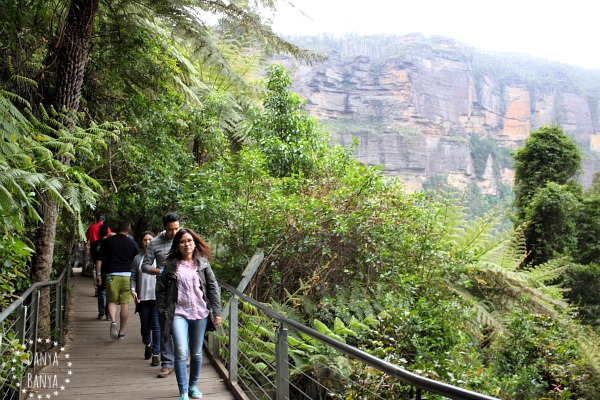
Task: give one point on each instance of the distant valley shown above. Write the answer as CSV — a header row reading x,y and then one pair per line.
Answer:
x,y
432,109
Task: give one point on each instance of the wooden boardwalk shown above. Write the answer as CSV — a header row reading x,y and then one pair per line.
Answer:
x,y
94,366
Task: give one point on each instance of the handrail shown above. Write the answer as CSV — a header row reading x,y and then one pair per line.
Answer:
x,y
21,321
13,306
406,377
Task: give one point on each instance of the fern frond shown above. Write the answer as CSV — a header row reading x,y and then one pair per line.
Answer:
x,y
485,312
252,24
24,80
590,350
509,253
548,271
14,98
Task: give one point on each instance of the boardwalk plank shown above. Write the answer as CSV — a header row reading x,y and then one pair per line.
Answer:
x,y
106,369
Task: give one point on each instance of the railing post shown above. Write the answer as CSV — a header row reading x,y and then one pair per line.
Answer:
x,y
26,311
21,323
21,330
282,377
248,274
34,315
65,287
233,339
59,312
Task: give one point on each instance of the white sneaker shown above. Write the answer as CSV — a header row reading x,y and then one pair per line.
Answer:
x,y
114,330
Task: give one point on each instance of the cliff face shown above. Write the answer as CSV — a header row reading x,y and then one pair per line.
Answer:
x,y
414,111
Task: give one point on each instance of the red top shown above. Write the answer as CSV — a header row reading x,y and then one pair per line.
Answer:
x,y
92,232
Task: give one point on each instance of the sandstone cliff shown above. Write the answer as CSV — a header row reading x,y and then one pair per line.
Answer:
x,y
414,103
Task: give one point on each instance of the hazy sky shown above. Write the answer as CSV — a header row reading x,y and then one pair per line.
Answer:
x,y
567,31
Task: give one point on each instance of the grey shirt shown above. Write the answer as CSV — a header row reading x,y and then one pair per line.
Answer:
x,y
156,252
145,284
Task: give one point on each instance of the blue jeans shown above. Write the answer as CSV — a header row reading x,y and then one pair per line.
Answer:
x,y
166,351
149,328
101,291
188,332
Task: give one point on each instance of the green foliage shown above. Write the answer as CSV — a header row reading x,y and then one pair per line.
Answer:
x,y
546,193
537,72
15,253
484,148
588,228
156,66
41,156
405,330
358,128
149,168
548,155
551,230
14,360
475,203
499,287
584,284
183,93
533,343
515,303
18,176
286,134
24,37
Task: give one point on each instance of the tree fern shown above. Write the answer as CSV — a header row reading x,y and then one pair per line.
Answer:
x,y
590,350
30,153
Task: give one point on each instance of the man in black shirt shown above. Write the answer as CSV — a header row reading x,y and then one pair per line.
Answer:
x,y
117,253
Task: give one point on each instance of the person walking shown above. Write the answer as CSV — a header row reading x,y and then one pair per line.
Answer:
x,y
117,253
143,291
92,234
101,288
154,262
187,295
92,231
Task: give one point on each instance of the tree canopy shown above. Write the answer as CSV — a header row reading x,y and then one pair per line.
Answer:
x,y
548,155
546,193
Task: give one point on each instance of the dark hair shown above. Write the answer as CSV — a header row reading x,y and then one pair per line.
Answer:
x,y
202,248
147,233
102,230
124,226
170,217
100,217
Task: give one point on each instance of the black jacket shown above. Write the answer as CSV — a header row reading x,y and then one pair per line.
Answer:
x,y
167,294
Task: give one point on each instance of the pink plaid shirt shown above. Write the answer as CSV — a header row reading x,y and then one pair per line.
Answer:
x,y
190,303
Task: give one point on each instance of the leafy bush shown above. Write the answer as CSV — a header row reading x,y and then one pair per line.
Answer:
x,y
584,284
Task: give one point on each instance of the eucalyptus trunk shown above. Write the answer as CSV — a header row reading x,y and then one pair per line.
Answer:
x,y
70,53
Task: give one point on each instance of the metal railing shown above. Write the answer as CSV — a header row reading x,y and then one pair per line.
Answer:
x,y
27,327
260,359
262,355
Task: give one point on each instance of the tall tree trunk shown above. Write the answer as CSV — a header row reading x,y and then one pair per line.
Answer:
x,y
71,55
44,241
43,257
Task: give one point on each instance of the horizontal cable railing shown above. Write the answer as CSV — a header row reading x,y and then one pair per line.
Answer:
x,y
262,360
32,324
